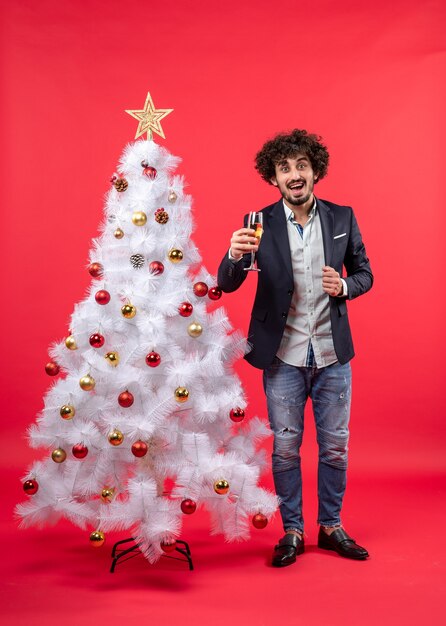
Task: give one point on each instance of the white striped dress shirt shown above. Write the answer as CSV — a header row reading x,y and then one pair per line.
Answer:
x,y
308,318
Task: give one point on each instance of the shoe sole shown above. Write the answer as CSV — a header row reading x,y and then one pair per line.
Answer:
x,y
354,558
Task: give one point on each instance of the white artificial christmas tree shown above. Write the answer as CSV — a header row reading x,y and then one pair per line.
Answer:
x,y
148,392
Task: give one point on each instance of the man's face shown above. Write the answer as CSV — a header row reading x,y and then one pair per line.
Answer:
x,y
295,180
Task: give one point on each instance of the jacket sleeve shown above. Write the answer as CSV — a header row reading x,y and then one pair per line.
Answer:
x,y
359,277
231,274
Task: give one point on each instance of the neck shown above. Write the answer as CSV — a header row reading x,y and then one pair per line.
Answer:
x,y
301,211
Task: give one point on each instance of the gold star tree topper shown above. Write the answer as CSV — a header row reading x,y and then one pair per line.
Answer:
x,y
149,119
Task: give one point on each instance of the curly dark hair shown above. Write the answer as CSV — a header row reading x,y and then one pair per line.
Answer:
x,y
287,145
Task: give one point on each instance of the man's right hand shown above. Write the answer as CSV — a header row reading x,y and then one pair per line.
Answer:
x,y
243,241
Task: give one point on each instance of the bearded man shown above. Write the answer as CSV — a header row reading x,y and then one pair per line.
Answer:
x,y
299,333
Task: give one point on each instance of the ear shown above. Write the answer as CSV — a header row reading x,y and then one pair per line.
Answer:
x,y
316,177
273,181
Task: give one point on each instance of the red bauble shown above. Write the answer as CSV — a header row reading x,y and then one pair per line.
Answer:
x,y
200,289
31,486
102,297
97,340
259,521
168,547
237,414
79,451
126,399
139,449
215,293
150,172
96,270
188,506
156,267
52,368
185,309
153,359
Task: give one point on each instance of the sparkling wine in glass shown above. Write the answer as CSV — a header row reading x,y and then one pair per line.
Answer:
x,y
255,221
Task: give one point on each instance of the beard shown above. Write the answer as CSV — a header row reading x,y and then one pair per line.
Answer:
x,y
298,201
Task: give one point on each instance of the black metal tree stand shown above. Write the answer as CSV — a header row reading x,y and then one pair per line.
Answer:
x,y
120,554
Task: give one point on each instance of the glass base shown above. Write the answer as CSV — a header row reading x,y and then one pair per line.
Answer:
x,y
252,269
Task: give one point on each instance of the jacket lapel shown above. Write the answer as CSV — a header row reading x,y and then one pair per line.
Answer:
x,y
327,227
279,231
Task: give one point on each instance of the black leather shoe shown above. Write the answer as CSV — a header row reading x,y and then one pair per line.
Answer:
x,y
341,543
287,549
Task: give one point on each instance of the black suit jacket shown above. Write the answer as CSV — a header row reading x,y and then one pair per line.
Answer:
x,y
276,284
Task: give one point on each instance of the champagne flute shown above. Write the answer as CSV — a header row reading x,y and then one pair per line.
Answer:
x,y
255,221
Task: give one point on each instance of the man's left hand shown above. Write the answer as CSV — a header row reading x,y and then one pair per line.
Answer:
x,y
331,281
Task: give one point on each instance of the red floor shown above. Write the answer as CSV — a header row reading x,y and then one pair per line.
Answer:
x,y
54,576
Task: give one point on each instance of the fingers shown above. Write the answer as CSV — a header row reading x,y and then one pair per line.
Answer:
x,y
331,281
244,231
333,290
243,241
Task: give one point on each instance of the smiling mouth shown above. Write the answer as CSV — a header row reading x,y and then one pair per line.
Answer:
x,y
296,186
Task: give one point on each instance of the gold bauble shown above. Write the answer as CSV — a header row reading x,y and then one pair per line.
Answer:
x,y
58,455
87,382
181,394
70,342
221,486
172,197
107,494
175,255
112,358
115,437
119,233
195,329
67,411
139,218
97,538
128,311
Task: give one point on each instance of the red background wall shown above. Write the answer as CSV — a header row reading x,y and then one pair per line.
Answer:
x,y
368,78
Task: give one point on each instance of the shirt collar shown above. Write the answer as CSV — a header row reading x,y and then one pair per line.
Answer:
x,y
290,215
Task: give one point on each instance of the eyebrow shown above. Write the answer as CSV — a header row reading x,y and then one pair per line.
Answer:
x,y
285,161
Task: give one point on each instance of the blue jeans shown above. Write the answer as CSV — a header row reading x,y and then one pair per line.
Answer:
x,y
287,389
